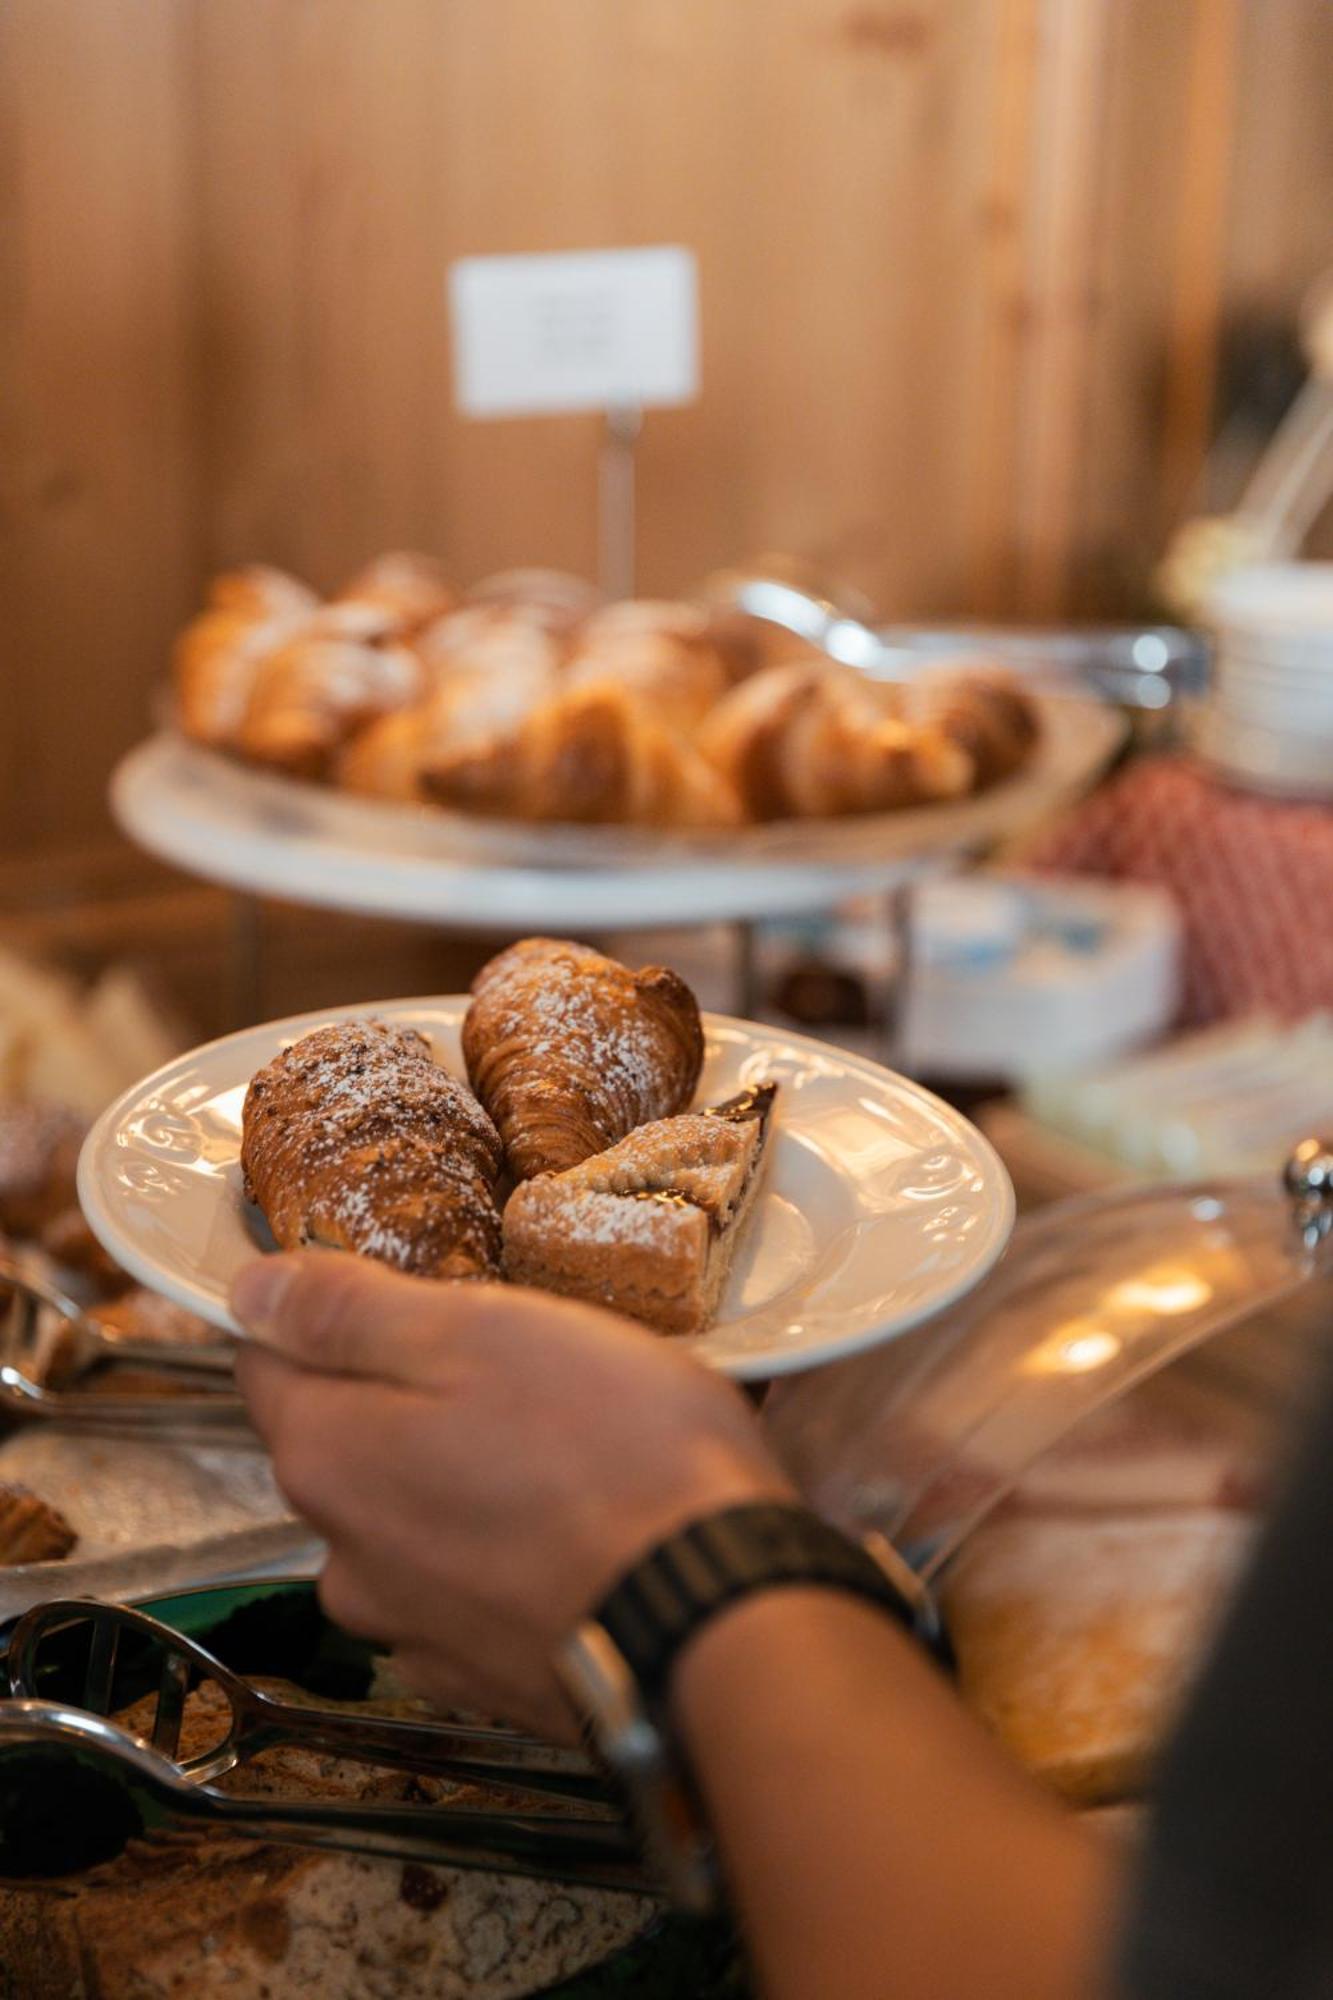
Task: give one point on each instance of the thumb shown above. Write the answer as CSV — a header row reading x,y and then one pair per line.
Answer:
x,y
346,1315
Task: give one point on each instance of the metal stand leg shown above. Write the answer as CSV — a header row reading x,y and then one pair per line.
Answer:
x,y
616,523
749,987
245,989
898,920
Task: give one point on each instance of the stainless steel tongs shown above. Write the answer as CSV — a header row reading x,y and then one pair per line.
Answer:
x,y
579,1836
42,1322
598,1853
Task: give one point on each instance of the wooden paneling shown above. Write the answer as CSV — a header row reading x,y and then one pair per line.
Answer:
x,y
962,263
99,510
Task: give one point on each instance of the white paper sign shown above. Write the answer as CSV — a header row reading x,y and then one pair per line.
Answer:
x,y
592,330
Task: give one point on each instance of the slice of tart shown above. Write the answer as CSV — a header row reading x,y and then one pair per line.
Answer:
x,y
650,1227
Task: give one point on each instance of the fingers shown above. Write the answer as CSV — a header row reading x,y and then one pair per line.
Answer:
x,y
351,1316
332,1439
348,1604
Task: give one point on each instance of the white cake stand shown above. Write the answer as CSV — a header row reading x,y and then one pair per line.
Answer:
x,y
266,836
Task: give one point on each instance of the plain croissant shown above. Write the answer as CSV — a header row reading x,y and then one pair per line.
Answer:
x,y
591,755
818,742
329,680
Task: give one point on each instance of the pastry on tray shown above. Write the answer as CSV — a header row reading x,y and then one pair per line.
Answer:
x,y
570,1051
665,657
822,742
552,597
412,589
530,699
650,1227
356,1139
31,1531
334,676
476,704
218,656
77,1252
591,755
986,716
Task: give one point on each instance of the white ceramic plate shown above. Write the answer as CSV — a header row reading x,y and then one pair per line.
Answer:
x,y
310,844
881,1205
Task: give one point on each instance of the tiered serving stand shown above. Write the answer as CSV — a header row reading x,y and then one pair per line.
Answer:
x,y
269,836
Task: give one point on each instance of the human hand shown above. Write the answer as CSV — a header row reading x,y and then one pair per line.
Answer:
x,y
483,1462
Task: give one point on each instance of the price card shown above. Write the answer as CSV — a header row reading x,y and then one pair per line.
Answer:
x,y
591,330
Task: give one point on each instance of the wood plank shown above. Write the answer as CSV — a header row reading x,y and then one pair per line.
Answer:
x,y
960,261
97,554
1203,202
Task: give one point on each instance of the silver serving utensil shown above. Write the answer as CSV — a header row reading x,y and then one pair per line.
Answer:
x,y
595,1852
464,1752
1140,666
26,1349
920,1442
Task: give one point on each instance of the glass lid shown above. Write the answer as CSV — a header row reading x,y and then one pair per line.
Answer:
x,y
920,1439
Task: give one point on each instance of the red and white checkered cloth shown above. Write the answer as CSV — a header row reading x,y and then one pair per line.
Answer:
x,y
1253,878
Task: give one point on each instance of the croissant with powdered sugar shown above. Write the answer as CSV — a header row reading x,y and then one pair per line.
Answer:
x,y
354,1138
570,1051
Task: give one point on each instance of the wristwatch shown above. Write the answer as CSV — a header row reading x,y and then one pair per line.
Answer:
x,y
617,1666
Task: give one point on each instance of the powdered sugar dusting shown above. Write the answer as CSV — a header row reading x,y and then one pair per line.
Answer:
x,y
356,1138
569,1051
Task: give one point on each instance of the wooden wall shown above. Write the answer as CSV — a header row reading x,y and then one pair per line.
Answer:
x,y
962,267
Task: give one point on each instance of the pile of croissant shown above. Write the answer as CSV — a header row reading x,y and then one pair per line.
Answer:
x,y
573,1167
532,699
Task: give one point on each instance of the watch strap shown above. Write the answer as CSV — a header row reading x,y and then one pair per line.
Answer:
x,y
659,1604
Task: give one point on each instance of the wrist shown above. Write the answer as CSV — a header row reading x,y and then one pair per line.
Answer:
x,y
738,1653
716,1479
620,1668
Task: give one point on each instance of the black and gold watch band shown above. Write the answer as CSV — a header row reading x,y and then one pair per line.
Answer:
x,y
617,1667
663,1601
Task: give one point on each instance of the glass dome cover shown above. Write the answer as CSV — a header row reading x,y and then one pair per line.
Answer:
x,y
920,1440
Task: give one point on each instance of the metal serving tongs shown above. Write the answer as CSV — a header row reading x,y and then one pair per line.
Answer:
x,y
109,1652
1140,666
920,1440
40,1321
45,1640
595,1852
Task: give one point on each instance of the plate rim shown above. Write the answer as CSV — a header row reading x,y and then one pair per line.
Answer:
x,y
759,1367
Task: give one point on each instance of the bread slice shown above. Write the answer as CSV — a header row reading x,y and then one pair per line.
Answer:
x,y
650,1227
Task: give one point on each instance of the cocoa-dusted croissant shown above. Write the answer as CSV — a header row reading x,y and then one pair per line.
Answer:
x,y
356,1139
817,742
570,1051
409,589
342,670
589,756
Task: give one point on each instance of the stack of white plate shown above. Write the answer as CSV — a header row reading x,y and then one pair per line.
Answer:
x,y
1269,718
